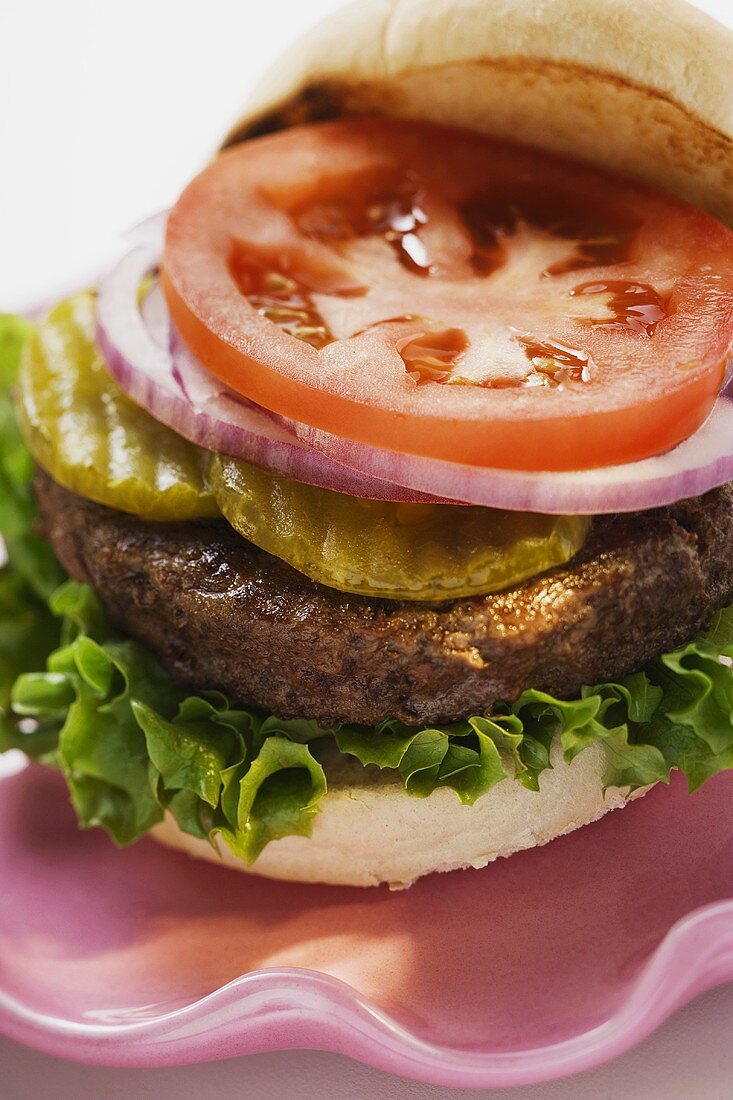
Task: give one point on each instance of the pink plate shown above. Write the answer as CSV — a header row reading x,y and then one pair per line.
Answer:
x,y
537,967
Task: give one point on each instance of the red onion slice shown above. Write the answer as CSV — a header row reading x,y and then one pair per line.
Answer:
x,y
154,368
701,463
153,365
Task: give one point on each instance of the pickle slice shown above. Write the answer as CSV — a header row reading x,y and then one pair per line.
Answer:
x,y
91,438
376,548
95,441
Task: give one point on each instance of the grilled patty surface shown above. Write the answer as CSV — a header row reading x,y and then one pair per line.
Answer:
x,y
220,613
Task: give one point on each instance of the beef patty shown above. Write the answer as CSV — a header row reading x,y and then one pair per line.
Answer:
x,y
221,613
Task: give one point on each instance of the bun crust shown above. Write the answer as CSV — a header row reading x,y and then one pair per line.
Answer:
x,y
370,831
644,91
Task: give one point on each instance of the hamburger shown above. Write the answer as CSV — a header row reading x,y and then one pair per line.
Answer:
x,y
373,516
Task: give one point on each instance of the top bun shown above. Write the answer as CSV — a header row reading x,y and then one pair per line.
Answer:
x,y
639,88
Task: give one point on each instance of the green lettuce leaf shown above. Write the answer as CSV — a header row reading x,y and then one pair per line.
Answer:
x,y
132,745
28,629
464,757
277,795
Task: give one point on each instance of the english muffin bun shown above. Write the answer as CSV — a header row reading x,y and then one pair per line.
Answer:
x,y
643,90
370,831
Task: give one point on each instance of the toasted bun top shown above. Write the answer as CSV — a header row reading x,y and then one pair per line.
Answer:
x,y
640,88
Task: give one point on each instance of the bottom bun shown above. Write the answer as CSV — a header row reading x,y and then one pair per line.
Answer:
x,y
370,831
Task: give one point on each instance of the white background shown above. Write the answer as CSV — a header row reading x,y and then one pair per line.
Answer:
x,y
107,107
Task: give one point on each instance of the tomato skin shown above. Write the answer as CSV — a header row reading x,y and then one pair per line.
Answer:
x,y
654,388
599,439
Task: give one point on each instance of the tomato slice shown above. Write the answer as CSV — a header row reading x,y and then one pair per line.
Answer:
x,y
435,292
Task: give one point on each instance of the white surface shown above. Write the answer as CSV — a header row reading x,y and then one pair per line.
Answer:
x,y
106,109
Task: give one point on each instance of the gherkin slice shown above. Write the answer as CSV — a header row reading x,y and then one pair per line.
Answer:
x,y
90,437
398,551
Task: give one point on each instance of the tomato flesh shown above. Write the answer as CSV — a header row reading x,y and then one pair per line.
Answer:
x,y
435,292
